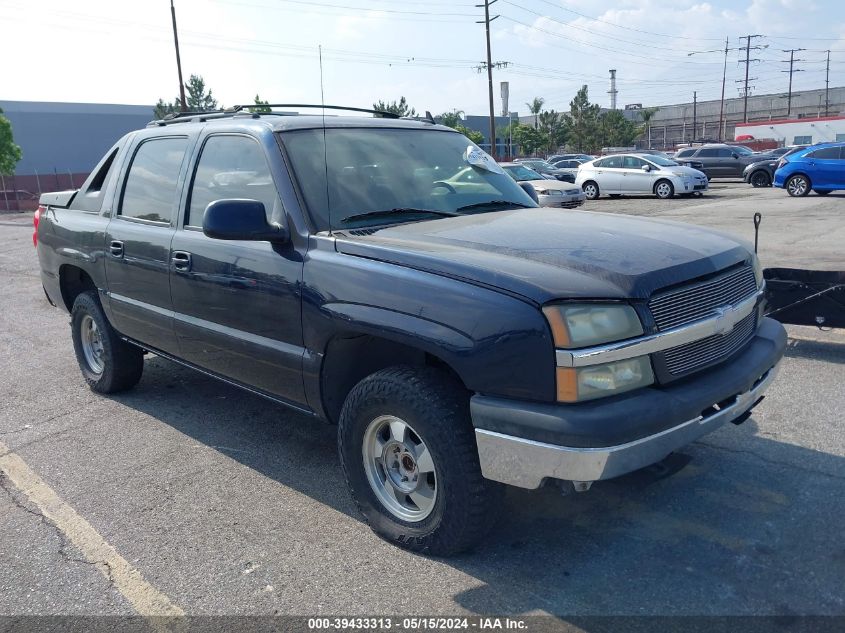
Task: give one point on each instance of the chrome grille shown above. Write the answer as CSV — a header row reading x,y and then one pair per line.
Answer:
x,y
692,356
698,301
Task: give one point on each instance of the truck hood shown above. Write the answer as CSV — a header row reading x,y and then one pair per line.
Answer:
x,y
546,254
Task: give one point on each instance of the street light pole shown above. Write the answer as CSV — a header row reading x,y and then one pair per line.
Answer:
x,y
722,103
487,21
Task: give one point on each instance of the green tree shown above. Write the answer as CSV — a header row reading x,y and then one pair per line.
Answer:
x,y
260,106
646,115
535,107
400,107
582,122
454,120
197,99
615,130
553,130
527,138
10,153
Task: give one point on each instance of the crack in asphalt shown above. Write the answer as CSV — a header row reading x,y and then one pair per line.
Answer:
x,y
775,462
64,543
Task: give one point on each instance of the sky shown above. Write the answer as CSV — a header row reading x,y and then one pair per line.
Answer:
x,y
121,51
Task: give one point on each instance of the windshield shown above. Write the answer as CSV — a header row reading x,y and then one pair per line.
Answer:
x,y
522,173
657,159
373,170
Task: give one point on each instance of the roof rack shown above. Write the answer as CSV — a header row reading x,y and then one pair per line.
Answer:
x,y
201,116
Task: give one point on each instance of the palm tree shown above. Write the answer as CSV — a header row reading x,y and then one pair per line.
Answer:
x,y
646,114
535,107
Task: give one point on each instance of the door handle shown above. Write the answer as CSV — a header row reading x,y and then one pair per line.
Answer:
x,y
116,248
181,260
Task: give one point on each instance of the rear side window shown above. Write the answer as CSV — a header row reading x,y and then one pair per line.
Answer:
x,y
825,153
150,192
231,167
90,197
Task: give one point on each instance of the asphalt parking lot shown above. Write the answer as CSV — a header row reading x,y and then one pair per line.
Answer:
x,y
226,504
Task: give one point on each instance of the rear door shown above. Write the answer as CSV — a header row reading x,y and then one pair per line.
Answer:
x,y
826,168
237,303
137,241
609,174
709,157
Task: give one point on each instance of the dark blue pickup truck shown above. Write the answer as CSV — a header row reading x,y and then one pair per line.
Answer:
x,y
387,276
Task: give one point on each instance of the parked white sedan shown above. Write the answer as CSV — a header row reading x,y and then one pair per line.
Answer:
x,y
638,173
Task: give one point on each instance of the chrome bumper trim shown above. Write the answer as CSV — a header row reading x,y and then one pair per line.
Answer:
x,y
526,463
722,323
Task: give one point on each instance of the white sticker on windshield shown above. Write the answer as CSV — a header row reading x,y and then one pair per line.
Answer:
x,y
479,158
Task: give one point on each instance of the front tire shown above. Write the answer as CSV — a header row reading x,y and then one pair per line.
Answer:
x,y
664,190
108,363
591,190
798,186
408,452
760,179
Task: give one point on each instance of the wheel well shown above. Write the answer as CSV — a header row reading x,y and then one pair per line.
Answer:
x,y
654,188
589,182
73,281
351,358
799,173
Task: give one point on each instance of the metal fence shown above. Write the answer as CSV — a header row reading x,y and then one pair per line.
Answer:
x,y
21,192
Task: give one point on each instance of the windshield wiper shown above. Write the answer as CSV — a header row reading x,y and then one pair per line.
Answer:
x,y
493,203
384,213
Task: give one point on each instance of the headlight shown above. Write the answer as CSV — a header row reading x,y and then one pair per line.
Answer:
x,y
582,325
758,270
597,381
680,174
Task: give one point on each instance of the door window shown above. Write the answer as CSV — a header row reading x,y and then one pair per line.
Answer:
x,y
724,152
708,152
612,162
830,153
632,162
151,184
231,167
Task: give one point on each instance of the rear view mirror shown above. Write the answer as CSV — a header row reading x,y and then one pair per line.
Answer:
x,y
529,189
240,219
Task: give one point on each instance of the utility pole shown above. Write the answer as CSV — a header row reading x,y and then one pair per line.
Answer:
x,y
694,114
791,70
486,23
827,85
724,77
747,62
178,60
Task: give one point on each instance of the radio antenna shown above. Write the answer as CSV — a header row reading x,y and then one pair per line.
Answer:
x,y
325,148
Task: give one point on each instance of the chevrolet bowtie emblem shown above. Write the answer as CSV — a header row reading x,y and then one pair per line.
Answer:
x,y
723,319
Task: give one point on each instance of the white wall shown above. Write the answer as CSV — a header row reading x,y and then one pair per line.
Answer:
x,y
819,131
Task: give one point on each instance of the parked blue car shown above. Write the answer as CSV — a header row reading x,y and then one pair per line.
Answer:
x,y
819,167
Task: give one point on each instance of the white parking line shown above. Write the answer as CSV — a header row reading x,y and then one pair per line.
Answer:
x,y
146,599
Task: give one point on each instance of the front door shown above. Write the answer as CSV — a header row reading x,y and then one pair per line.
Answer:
x,y
827,169
634,179
237,303
137,243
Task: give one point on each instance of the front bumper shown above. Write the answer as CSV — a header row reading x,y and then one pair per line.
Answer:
x,y
522,443
562,202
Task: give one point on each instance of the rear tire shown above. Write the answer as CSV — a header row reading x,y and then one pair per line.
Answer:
x,y
760,179
591,190
664,189
408,452
108,363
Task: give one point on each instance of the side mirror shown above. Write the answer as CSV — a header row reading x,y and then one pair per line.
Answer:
x,y
529,189
646,168
240,219
735,155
